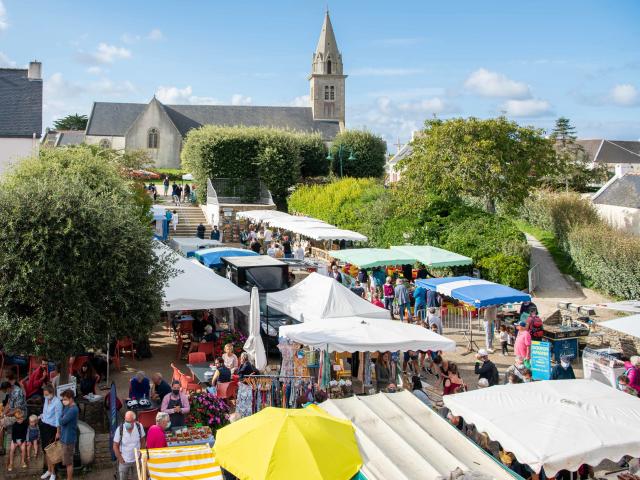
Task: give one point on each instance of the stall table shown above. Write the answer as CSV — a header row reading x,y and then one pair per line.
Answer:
x,y
185,436
198,371
564,340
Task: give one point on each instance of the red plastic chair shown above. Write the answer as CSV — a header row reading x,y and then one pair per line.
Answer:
x,y
185,380
76,363
197,357
125,344
207,349
227,390
176,373
115,359
193,387
147,418
34,362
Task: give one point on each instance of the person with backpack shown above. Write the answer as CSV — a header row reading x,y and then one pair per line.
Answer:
x,y
127,438
389,294
487,370
632,372
536,327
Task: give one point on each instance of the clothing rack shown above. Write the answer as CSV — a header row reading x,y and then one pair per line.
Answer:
x,y
278,376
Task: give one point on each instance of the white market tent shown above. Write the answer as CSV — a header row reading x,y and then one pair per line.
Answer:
x,y
555,425
399,437
187,245
628,325
305,226
197,287
352,334
321,297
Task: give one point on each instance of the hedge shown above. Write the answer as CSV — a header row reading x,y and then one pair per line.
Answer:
x,y
558,213
369,154
608,258
273,155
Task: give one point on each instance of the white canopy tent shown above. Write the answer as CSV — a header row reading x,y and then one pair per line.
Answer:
x,y
187,245
197,287
321,297
555,425
400,437
353,334
305,226
628,325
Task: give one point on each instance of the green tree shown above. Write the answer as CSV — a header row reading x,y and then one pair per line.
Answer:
x,y
76,259
313,156
367,151
71,122
575,169
494,160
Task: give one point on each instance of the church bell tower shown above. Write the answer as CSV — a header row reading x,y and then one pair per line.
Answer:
x,y
326,79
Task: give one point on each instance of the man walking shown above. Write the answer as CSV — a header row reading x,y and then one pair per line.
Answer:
x,y
488,369
215,233
200,231
402,297
165,184
128,437
68,431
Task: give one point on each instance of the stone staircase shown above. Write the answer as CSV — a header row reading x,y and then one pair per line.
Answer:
x,y
189,217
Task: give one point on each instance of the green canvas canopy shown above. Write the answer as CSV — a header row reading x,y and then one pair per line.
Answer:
x,y
401,255
432,256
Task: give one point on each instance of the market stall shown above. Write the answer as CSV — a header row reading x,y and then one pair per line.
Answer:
x,y
212,257
320,297
474,291
372,257
192,462
561,424
189,245
353,334
187,436
400,437
432,256
196,287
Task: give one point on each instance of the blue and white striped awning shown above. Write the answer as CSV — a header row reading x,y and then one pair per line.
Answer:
x,y
473,291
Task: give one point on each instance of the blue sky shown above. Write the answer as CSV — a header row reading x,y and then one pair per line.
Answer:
x,y
406,61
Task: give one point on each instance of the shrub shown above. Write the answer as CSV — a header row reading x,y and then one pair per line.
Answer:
x,y
369,151
608,258
313,156
174,174
558,213
507,269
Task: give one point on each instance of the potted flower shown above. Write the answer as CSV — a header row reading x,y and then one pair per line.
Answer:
x,y
208,410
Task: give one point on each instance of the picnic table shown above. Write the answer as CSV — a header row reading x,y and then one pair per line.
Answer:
x,y
198,371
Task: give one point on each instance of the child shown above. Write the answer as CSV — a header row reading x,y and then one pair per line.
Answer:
x,y
33,436
504,340
18,439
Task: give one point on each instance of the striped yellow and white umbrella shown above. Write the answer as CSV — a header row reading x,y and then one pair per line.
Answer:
x,y
196,462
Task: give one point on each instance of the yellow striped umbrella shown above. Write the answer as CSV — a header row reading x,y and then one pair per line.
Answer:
x,y
196,462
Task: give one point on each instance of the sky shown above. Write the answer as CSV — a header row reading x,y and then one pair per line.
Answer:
x,y
407,61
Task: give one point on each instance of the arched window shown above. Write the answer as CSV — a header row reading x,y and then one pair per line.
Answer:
x,y
332,94
153,138
105,143
329,67
326,92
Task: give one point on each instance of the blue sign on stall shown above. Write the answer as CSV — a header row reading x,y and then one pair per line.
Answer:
x,y
540,360
565,347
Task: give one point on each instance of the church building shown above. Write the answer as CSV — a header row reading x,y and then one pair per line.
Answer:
x,y
160,129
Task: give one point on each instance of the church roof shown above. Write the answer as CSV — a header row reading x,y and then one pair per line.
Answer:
x,y
20,103
612,151
327,41
114,119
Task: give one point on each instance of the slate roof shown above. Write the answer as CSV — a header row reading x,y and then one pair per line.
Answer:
x,y
20,104
612,151
62,138
622,192
114,119
403,153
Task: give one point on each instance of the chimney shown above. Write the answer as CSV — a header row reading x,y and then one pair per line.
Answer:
x,y
35,70
621,169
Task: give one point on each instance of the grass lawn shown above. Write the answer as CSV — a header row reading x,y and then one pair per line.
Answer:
x,y
562,260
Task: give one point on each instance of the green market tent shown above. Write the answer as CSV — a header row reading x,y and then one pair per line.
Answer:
x,y
432,256
371,257
401,255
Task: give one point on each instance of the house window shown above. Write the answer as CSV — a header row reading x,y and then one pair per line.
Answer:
x,y
332,94
105,143
329,67
326,92
153,138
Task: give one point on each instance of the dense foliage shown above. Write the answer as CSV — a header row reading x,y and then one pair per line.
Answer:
x,y
388,217
608,258
558,213
313,156
275,156
76,257
209,410
495,160
366,150
71,122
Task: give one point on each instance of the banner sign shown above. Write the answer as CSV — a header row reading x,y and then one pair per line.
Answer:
x,y
540,360
113,417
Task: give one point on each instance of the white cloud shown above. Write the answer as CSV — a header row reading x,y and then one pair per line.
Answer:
x,y
301,101
4,23
108,87
239,99
104,54
6,62
531,107
182,96
129,38
95,70
493,84
386,72
625,95
57,88
428,105
155,35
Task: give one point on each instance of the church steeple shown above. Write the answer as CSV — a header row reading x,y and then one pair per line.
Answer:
x,y
327,79
327,58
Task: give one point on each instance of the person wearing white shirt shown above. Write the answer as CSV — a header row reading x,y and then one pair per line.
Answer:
x,y
298,252
128,437
433,318
268,235
271,251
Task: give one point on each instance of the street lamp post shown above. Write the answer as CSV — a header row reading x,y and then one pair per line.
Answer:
x,y
341,150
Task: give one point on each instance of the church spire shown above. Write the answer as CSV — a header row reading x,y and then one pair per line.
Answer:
x,y
327,58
